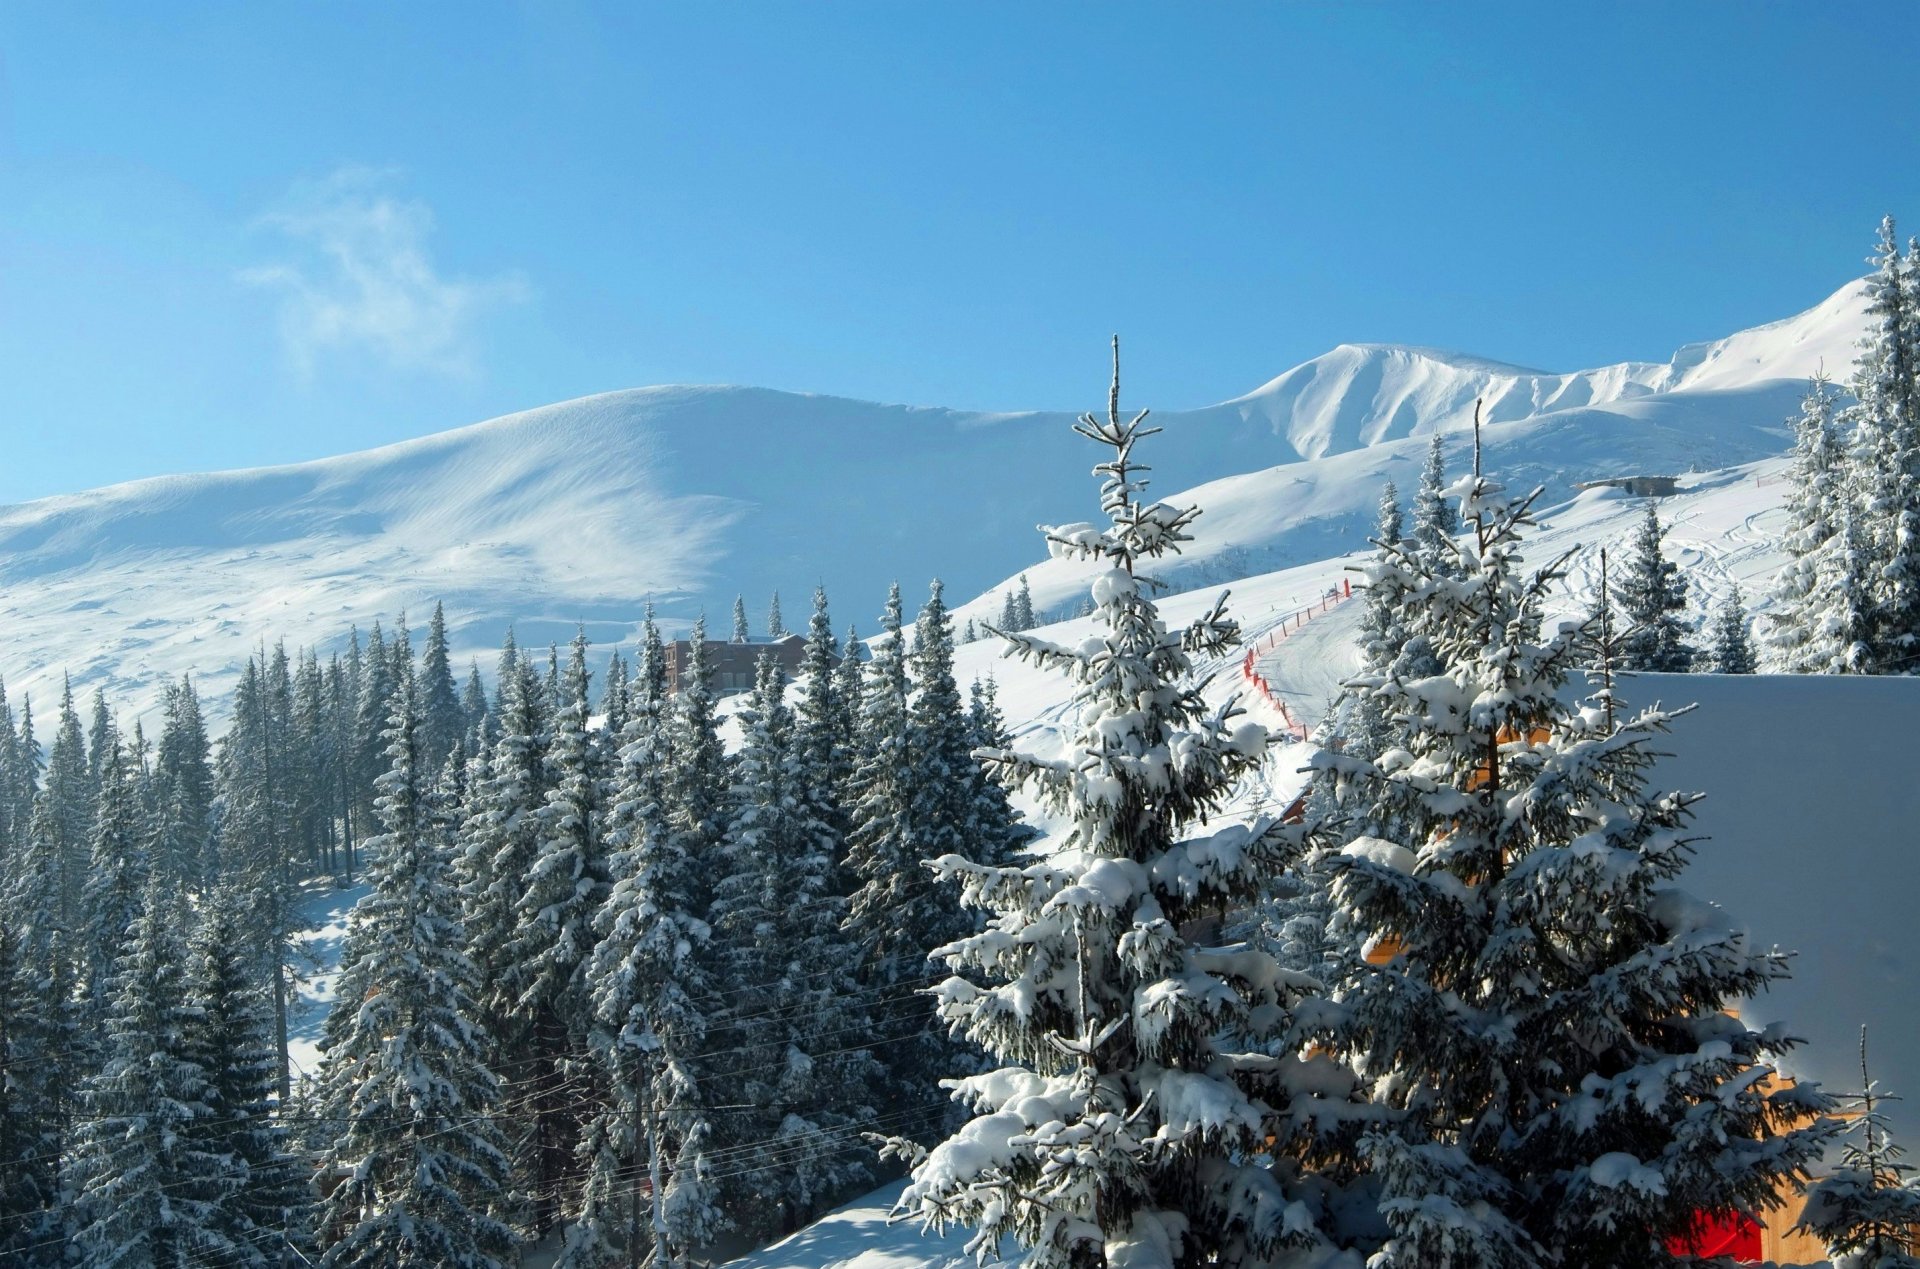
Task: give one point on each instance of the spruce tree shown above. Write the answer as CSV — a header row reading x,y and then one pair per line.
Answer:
x,y
1885,455
1383,636
649,982
1816,496
776,628
117,870
473,704
787,1046
69,795
1435,521
415,1166
698,778
1146,1112
1867,1211
894,896
30,1116
740,634
183,767
562,888
229,1032
441,716
150,1193
1653,598
498,846
1732,650
997,833
1552,1024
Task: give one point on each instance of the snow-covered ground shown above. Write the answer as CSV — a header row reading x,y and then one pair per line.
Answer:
x,y
324,908
859,1236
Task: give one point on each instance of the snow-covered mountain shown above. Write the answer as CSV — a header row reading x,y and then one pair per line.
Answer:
x,y
583,511
1361,395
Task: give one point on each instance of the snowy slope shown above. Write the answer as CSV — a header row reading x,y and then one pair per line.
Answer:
x,y
1360,395
581,512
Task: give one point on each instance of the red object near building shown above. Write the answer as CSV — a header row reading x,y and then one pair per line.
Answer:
x,y
1733,1236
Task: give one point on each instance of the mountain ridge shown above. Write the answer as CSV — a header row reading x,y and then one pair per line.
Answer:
x,y
583,511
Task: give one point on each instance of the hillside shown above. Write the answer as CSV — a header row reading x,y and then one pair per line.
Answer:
x,y
584,511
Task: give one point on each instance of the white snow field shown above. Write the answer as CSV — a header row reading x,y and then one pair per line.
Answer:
x,y
583,511
858,1236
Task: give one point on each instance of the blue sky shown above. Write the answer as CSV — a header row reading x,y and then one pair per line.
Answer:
x,y
237,234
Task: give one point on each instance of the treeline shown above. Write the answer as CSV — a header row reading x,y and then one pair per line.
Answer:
x,y
611,982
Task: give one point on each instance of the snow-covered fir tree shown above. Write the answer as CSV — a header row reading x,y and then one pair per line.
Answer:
x,y
1731,648
1383,637
1552,1020
1867,1211
740,632
996,834
649,984
1435,520
229,1034
117,871
1815,499
789,1045
1154,1106
776,627
414,1171
1885,455
30,1115
698,777
893,895
1016,610
1653,599
441,717
150,1193
559,893
499,844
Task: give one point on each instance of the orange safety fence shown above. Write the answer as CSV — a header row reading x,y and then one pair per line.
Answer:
x,y
1288,625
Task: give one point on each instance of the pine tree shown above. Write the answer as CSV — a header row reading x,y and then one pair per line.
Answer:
x,y
788,1040
150,1192
229,1034
1023,606
1732,650
1552,1025
776,628
1435,521
441,715
1653,598
649,984
417,1155
1867,1210
562,888
1815,499
1146,1111
740,634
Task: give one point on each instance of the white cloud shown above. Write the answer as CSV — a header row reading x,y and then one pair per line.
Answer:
x,y
358,277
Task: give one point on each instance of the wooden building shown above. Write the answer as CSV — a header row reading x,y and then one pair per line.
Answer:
x,y
735,664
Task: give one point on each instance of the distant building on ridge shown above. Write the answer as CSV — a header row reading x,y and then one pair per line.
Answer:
x,y
734,664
